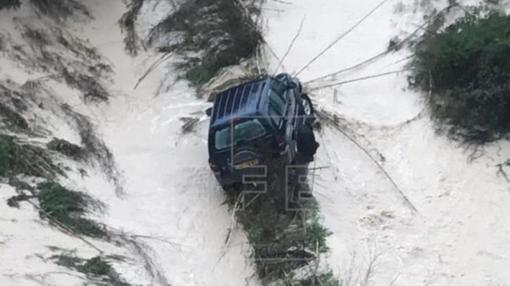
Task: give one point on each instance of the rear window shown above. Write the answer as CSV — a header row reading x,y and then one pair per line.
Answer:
x,y
243,131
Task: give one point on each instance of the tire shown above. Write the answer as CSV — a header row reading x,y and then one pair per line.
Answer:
x,y
307,145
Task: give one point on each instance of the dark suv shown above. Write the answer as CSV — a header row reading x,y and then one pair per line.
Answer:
x,y
256,122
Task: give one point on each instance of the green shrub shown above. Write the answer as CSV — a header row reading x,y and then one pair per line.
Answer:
x,y
283,239
8,151
468,67
66,148
25,159
11,119
127,24
324,279
199,75
220,32
97,268
68,261
68,208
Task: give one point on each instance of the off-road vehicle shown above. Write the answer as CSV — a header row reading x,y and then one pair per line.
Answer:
x,y
256,122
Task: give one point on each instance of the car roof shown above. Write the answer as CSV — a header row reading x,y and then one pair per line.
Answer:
x,y
244,100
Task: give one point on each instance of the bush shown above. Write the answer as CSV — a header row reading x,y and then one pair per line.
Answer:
x,y
97,268
68,208
11,109
283,240
12,119
7,154
127,24
25,159
324,279
66,148
221,32
467,67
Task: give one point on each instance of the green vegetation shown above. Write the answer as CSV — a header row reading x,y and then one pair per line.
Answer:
x,y
323,279
97,268
127,24
25,159
90,86
11,119
466,67
66,148
78,64
11,107
68,208
8,150
215,34
285,236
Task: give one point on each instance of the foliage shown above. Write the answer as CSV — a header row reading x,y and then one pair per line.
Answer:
x,y
215,34
68,208
127,23
467,68
69,261
323,279
58,52
11,119
89,85
97,268
11,107
8,150
93,148
25,159
285,236
66,148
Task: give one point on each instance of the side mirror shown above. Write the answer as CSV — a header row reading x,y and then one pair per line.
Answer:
x,y
208,111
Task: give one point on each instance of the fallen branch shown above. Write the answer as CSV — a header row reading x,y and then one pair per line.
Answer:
x,y
357,79
160,239
152,68
291,44
343,35
64,228
501,170
388,50
323,115
189,124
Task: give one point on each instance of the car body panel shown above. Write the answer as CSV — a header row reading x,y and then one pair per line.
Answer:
x,y
252,100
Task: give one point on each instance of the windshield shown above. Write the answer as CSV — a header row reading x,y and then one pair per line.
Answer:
x,y
244,131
